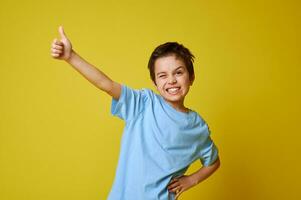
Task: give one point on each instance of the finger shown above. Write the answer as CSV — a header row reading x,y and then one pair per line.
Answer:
x,y
62,33
178,194
55,55
176,184
175,190
173,185
59,47
173,180
56,51
57,42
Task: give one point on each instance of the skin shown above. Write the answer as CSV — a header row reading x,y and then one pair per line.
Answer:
x,y
170,72
62,50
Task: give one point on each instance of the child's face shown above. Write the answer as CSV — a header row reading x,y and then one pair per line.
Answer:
x,y
172,80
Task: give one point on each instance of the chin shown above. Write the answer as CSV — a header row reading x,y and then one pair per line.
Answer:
x,y
173,98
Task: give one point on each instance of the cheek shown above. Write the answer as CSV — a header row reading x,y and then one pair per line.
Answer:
x,y
160,84
184,80
161,87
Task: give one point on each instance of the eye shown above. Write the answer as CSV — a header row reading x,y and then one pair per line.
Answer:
x,y
179,72
162,76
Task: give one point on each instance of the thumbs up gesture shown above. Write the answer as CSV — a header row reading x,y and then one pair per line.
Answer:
x,y
61,49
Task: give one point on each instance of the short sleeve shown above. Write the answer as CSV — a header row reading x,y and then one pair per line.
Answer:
x,y
130,103
209,151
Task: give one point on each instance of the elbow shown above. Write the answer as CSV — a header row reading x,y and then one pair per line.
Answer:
x,y
217,163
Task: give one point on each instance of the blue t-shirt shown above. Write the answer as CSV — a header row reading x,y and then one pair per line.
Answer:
x,y
158,143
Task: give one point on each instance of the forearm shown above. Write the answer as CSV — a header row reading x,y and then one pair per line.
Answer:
x,y
91,73
204,172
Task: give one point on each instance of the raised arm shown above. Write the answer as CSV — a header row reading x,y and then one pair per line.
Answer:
x,y
63,50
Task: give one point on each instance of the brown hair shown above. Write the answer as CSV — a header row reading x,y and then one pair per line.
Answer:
x,y
171,48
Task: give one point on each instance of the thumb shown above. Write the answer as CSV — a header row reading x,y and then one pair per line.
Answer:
x,y
62,33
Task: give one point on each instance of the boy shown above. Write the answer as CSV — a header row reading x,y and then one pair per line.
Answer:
x,y
162,137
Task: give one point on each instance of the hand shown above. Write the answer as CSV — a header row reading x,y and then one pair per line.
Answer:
x,y
180,184
61,49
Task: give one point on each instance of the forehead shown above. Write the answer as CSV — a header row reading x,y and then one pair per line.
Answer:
x,y
169,62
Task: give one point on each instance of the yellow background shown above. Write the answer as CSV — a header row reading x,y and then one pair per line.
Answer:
x,y
58,139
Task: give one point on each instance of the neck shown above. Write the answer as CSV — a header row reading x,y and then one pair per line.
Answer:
x,y
179,106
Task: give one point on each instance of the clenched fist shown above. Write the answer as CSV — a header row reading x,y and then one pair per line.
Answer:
x,y
61,49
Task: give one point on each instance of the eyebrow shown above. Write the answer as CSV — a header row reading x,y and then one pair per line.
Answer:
x,y
173,70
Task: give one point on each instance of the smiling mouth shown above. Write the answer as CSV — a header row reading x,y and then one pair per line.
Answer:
x,y
173,90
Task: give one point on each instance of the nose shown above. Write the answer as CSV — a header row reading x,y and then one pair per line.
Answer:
x,y
172,80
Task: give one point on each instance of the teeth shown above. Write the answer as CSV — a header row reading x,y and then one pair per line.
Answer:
x,y
172,90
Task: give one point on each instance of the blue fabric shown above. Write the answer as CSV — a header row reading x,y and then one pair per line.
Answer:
x,y
158,143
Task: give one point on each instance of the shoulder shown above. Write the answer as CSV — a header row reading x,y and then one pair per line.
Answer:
x,y
143,95
142,91
148,93
199,119
199,116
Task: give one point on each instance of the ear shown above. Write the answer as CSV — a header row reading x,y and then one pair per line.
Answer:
x,y
192,79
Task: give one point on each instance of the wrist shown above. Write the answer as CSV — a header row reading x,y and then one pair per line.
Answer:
x,y
71,57
194,179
